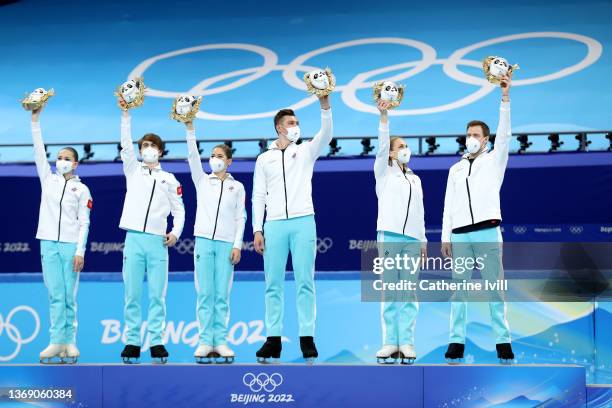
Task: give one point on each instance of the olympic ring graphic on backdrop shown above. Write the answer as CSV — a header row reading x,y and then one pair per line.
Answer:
x,y
576,229
363,80
324,244
185,246
14,334
262,381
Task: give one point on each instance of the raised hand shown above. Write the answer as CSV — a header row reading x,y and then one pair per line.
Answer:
x,y
36,114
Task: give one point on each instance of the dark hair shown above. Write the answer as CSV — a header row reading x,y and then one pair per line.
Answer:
x,y
281,114
153,138
73,151
485,128
226,149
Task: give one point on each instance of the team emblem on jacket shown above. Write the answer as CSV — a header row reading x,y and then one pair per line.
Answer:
x,y
74,189
179,190
231,188
90,203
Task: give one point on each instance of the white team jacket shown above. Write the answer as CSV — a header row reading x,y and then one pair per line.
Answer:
x,y
220,214
400,196
64,204
151,194
282,183
472,189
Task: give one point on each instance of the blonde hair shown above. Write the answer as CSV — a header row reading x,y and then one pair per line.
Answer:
x,y
391,142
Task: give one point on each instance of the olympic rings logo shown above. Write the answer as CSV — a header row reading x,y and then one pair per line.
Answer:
x,y
185,246
364,80
574,229
262,381
13,332
324,244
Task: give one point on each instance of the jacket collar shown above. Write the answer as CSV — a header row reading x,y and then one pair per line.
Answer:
x,y
467,155
274,145
74,177
214,176
156,168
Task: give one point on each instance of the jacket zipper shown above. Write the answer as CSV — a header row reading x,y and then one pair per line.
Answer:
x,y
218,206
150,201
285,184
59,223
407,208
467,184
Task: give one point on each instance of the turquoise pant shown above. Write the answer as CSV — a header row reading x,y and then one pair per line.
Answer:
x,y
62,283
298,235
398,311
487,244
145,254
213,281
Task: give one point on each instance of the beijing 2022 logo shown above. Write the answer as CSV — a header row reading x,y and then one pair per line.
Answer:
x,y
263,389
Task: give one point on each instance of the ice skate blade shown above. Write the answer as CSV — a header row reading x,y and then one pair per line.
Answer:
x,y
131,360
159,360
386,360
268,360
224,360
70,360
455,361
407,360
506,361
55,360
310,360
204,360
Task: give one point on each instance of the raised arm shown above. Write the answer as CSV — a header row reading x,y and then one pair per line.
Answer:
x,y
322,139
503,135
240,217
382,154
40,154
258,198
128,155
195,163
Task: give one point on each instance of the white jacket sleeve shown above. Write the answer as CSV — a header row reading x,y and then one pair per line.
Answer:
x,y
240,218
128,155
322,139
502,139
195,163
446,217
177,208
258,198
381,163
423,235
40,155
85,206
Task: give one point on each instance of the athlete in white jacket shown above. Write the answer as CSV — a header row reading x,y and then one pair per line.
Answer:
x,y
282,188
401,231
470,224
152,194
63,226
219,229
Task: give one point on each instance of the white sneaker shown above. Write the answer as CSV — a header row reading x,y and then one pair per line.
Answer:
x,y
224,350
386,351
53,354
203,350
407,350
72,353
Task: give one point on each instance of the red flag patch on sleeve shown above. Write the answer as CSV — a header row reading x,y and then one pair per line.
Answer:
x,y
179,190
90,203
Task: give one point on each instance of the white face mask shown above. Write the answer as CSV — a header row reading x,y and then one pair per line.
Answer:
x,y
403,155
216,164
293,133
150,155
63,166
472,144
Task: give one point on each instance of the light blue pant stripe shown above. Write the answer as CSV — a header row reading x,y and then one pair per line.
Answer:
x,y
62,284
299,236
145,254
213,278
398,318
476,244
